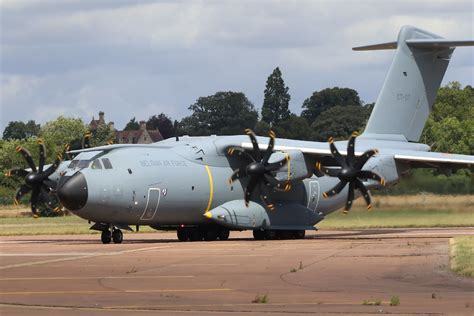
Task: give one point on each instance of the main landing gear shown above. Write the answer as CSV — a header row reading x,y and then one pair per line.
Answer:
x,y
109,235
278,234
199,233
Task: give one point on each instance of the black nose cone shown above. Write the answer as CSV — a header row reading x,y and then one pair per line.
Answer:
x,y
73,192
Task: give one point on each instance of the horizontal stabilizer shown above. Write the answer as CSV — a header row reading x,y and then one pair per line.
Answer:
x,y
435,43
389,45
417,43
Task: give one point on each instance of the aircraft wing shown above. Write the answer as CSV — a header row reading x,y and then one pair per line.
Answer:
x,y
416,158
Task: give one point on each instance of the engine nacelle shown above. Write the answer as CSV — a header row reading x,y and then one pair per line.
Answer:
x,y
295,169
385,166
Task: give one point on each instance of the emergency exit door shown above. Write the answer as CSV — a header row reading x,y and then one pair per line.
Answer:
x,y
153,200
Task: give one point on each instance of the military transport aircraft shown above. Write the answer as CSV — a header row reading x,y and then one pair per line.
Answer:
x,y
204,187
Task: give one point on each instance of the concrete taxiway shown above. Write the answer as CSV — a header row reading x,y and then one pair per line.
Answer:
x,y
328,272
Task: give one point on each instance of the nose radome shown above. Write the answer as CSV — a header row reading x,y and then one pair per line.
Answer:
x,y
73,192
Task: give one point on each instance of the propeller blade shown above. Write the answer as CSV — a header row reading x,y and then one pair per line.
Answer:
x,y
350,198
336,154
51,184
363,159
26,154
24,189
274,183
256,150
17,172
332,172
265,197
240,152
274,166
53,167
350,149
269,150
249,189
86,140
365,193
34,200
238,173
365,174
42,155
45,198
335,190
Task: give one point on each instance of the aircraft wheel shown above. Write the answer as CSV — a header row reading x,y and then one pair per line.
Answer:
x,y
299,234
183,234
195,235
258,234
117,236
224,234
106,236
271,234
210,235
284,234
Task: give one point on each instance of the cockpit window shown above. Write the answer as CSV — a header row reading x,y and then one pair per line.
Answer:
x,y
106,163
96,164
73,164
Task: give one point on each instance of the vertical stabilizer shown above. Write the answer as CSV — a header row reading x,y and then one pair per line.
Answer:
x,y
410,88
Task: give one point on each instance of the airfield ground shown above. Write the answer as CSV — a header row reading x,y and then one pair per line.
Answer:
x,y
329,272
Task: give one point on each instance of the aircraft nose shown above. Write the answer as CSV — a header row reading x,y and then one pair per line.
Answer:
x,y
73,192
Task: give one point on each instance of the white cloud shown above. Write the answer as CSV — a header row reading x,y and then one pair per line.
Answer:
x,y
139,58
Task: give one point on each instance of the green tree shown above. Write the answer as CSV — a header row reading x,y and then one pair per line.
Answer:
x,y
276,99
325,99
224,113
63,131
339,122
20,130
132,125
162,123
102,135
294,127
450,126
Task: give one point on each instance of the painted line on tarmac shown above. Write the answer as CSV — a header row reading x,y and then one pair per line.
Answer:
x,y
99,277
115,253
116,291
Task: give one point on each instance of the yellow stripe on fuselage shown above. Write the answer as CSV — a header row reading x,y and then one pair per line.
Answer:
x,y
211,188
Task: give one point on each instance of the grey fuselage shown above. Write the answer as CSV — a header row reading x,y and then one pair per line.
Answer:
x,y
175,183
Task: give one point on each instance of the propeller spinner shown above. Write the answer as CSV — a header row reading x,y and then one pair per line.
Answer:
x,y
350,172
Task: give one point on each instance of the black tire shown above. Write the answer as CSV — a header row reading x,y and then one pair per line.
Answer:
x,y
224,234
183,234
117,236
285,234
106,236
271,234
195,235
299,234
259,234
210,235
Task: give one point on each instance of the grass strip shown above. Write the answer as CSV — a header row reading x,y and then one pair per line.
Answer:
x,y
462,255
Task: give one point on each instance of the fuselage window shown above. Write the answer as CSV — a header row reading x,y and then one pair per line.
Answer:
x,y
106,163
96,164
73,164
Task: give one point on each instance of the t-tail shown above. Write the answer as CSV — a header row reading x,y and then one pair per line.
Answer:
x,y
410,88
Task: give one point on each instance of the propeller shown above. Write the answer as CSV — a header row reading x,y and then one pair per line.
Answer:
x,y
258,169
350,172
36,180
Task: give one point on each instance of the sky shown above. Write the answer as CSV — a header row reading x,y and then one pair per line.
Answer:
x,y
139,58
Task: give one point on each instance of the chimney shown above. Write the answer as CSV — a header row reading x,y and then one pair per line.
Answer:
x,y
142,125
111,126
101,117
